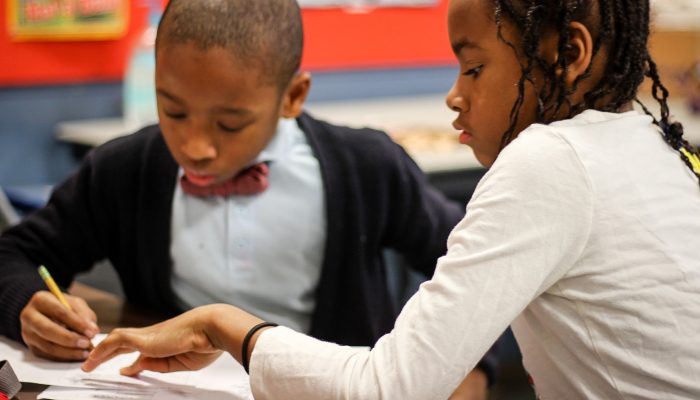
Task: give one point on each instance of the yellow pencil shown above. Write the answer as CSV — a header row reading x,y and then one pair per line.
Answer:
x,y
53,287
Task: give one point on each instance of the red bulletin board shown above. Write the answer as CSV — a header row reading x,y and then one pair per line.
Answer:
x,y
336,39
383,37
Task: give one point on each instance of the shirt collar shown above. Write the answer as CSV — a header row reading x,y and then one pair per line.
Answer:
x,y
281,143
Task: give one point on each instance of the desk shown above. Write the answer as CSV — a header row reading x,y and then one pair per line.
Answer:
x,y
111,312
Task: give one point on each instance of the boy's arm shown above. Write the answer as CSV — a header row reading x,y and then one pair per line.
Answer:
x,y
63,235
421,217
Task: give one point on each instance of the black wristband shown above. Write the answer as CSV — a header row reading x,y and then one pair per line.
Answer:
x,y
246,342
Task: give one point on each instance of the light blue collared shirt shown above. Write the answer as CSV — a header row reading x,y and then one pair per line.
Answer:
x,y
262,253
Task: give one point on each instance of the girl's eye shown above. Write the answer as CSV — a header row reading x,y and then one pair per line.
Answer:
x,y
474,71
175,115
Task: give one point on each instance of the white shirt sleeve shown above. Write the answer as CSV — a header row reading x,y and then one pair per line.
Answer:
x,y
525,227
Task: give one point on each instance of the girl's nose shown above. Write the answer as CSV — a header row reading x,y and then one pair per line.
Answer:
x,y
455,101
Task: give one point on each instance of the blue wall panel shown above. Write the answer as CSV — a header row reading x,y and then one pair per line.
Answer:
x,y
29,152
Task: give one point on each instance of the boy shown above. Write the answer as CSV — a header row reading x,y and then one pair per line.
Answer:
x,y
225,202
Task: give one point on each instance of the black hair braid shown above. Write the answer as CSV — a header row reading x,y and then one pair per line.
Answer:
x,y
622,26
672,131
505,8
605,34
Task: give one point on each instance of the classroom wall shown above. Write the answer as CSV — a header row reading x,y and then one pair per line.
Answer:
x,y
351,54
43,83
30,153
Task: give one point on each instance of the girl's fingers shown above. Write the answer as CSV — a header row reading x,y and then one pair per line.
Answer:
x,y
118,342
145,363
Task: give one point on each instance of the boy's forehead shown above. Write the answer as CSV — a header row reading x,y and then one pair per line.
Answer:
x,y
188,61
225,56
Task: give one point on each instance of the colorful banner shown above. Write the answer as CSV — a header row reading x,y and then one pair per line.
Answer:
x,y
67,19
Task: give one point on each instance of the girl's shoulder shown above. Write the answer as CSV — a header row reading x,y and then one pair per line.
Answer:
x,y
591,134
539,159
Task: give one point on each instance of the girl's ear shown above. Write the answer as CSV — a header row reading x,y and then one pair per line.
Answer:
x,y
295,95
579,51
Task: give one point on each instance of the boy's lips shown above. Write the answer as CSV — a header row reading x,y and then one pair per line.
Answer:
x,y
200,179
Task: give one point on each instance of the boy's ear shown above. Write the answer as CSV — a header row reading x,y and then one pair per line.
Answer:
x,y
295,95
579,51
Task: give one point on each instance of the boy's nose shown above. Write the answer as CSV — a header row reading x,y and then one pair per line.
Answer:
x,y
199,149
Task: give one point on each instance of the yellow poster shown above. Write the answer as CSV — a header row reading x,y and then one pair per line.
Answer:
x,y
67,19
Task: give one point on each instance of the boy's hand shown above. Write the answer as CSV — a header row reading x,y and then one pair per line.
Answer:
x,y
52,331
178,344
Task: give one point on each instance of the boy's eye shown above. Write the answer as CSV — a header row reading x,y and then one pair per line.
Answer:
x,y
474,71
172,115
229,129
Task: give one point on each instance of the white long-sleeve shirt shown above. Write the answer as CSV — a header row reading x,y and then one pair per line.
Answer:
x,y
583,235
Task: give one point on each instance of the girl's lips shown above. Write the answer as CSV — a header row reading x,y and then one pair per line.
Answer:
x,y
200,180
465,137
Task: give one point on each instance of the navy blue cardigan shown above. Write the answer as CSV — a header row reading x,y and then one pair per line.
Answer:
x,y
118,206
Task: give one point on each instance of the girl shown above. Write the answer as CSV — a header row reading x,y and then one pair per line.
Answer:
x,y
578,234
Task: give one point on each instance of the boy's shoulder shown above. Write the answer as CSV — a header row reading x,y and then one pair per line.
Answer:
x,y
328,136
130,153
363,151
131,145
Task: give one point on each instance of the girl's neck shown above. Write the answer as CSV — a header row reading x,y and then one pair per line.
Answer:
x,y
625,107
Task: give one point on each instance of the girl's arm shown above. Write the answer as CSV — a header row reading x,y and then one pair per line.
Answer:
x,y
527,225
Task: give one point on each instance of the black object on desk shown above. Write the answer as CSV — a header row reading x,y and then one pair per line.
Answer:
x,y
9,384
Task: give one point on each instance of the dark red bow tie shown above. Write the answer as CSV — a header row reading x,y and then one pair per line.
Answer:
x,y
250,181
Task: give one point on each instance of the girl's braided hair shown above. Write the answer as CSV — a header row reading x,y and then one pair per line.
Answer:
x,y
622,26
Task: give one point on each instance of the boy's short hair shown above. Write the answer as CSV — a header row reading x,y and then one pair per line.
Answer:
x,y
264,34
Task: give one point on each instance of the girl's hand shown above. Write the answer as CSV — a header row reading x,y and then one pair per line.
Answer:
x,y
177,344
190,341
52,331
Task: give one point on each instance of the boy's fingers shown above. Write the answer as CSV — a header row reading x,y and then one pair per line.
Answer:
x,y
52,351
81,308
38,326
49,305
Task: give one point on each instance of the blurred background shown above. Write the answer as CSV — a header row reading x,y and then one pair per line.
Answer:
x,y
76,73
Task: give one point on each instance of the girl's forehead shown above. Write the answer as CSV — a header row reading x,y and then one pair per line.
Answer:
x,y
480,6
471,21
464,14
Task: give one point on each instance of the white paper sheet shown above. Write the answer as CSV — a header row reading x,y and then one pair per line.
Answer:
x,y
225,379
